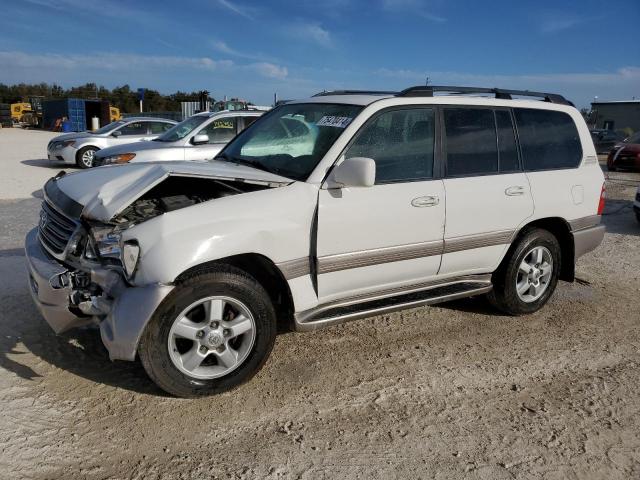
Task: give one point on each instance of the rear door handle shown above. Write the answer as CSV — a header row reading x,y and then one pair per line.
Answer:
x,y
514,191
426,201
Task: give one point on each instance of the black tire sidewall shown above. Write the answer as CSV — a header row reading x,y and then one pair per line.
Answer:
x,y
154,342
506,295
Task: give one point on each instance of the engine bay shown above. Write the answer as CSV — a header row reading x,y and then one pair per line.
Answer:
x,y
175,193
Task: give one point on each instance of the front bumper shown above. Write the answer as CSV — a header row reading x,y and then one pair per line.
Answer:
x,y
123,311
66,154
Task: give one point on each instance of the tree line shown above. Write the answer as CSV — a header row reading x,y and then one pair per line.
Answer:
x,y
124,97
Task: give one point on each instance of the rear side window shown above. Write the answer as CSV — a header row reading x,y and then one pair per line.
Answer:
x,y
159,127
548,140
506,142
471,142
401,144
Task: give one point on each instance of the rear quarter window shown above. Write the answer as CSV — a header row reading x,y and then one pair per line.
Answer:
x,y
549,140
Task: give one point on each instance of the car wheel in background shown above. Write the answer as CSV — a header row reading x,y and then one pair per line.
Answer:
x,y
528,275
85,157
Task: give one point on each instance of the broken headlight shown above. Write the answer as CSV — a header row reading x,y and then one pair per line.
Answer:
x,y
108,244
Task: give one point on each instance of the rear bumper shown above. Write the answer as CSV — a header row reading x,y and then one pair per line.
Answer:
x,y
587,239
122,311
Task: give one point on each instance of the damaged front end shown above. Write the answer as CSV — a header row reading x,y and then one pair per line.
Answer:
x,y
82,269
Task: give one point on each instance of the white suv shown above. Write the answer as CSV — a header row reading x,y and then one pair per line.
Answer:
x,y
344,205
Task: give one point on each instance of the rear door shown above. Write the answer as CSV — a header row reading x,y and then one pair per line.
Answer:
x,y
488,194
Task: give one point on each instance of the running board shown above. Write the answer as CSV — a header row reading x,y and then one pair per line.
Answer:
x,y
391,300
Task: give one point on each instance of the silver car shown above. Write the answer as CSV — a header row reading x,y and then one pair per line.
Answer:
x,y
198,138
80,148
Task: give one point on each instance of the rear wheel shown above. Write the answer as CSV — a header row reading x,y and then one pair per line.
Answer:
x,y
213,332
527,278
85,157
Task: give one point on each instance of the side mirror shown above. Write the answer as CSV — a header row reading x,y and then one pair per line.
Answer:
x,y
116,134
200,139
354,172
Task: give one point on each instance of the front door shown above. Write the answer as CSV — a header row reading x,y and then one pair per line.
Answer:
x,y
388,235
488,194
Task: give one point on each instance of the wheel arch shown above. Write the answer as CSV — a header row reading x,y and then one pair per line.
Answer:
x,y
560,228
265,271
83,147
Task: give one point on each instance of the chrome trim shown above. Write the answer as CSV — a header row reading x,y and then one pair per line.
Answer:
x,y
469,242
584,222
311,319
298,267
376,256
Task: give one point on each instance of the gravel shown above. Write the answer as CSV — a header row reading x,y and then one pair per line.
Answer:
x,y
453,391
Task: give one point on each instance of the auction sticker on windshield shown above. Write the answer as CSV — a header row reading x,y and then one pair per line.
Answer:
x,y
331,121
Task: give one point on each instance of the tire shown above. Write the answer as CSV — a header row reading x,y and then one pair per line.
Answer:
x,y
166,356
638,216
85,157
510,275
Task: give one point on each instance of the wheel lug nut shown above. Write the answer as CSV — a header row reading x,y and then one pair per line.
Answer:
x,y
214,324
203,349
221,348
226,332
200,334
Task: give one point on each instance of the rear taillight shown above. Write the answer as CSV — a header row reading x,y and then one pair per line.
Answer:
x,y
603,196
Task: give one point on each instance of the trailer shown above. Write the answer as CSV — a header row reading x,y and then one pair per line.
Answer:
x,y
78,111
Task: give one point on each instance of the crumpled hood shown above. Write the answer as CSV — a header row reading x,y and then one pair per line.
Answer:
x,y
133,148
106,191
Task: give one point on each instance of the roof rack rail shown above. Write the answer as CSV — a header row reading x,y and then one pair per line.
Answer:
x,y
429,90
354,92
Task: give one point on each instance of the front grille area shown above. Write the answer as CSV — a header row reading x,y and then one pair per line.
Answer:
x,y
55,229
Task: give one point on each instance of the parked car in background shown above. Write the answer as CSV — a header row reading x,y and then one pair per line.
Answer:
x,y
636,204
383,201
625,154
604,140
198,138
80,148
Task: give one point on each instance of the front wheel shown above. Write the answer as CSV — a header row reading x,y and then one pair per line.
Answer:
x,y
85,157
526,279
213,332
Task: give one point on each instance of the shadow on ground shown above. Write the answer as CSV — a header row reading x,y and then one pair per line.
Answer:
x,y
45,163
619,217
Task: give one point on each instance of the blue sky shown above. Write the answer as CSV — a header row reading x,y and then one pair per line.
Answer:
x,y
252,48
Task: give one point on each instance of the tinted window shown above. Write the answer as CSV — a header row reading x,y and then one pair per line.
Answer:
x,y
548,140
508,153
401,144
249,120
159,127
136,128
221,130
470,141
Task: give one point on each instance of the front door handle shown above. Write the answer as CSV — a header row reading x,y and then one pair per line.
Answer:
x,y
514,191
426,201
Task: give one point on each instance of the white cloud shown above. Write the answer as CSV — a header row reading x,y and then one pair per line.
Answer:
x,y
232,7
559,23
223,47
312,32
270,70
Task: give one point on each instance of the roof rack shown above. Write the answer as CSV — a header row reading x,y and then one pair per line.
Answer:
x,y
429,90
354,92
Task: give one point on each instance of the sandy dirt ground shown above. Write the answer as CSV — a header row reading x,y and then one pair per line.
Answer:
x,y
449,392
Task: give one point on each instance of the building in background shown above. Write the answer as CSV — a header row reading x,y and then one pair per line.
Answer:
x,y
622,116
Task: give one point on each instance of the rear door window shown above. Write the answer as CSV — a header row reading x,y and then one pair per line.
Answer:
x,y
549,140
135,128
159,127
471,142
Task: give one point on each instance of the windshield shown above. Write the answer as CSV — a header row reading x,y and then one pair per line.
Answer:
x,y
181,130
110,126
292,139
635,138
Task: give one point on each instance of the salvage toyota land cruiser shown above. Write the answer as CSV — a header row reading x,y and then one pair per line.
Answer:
x,y
344,205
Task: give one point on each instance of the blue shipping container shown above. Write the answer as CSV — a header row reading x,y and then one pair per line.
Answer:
x,y
75,109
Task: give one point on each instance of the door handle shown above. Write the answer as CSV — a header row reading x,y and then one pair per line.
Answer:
x,y
514,191
426,201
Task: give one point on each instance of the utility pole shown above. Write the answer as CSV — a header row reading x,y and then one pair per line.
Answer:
x,y
427,82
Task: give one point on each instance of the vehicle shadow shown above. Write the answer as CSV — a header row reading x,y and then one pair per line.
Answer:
x,y
79,351
619,217
45,163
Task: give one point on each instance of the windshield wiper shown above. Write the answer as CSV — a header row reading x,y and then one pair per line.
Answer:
x,y
243,161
